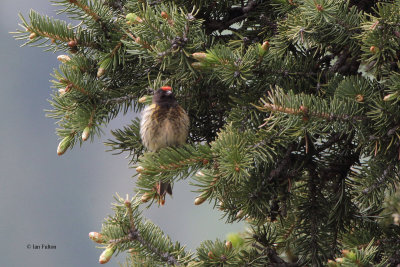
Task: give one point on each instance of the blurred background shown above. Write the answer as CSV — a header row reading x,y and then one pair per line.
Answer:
x,y
52,200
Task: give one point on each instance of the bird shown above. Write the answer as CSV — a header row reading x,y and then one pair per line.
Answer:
x,y
164,123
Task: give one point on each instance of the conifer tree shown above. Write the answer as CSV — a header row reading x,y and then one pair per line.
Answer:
x,y
294,121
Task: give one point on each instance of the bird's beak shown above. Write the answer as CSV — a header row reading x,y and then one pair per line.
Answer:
x,y
168,93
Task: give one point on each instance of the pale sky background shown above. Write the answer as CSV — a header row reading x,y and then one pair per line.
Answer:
x,y
47,199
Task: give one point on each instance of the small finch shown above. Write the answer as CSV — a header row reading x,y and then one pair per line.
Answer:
x,y
164,123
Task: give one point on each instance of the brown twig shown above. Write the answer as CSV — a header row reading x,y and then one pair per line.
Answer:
x,y
241,13
48,35
86,9
134,235
301,111
380,181
275,260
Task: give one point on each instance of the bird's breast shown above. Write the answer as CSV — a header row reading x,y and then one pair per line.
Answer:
x,y
164,126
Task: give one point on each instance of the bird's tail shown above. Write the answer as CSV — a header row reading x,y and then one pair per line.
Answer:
x,y
162,189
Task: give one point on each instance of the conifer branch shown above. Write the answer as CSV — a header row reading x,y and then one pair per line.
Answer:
x,y
238,14
314,220
336,137
171,165
307,179
72,85
155,2
165,256
139,41
274,259
380,181
56,31
126,230
116,48
119,100
177,43
52,36
283,165
178,165
86,9
115,4
135,236
306,114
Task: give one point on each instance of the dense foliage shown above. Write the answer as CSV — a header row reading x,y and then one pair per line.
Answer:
x,y
294,121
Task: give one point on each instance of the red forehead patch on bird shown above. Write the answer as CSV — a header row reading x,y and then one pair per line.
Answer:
x,y
166,88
